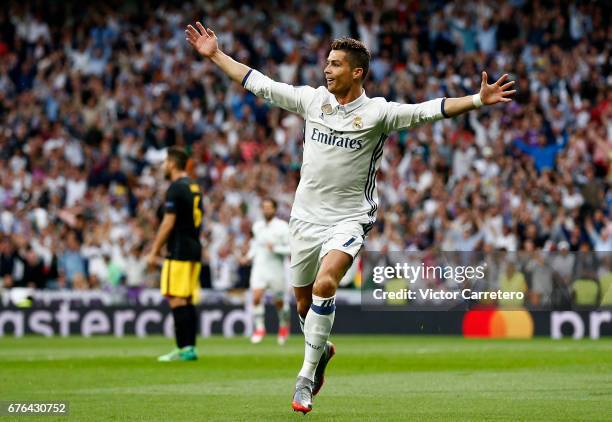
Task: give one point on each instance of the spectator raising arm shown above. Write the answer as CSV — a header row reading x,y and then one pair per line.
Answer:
x,y
601,243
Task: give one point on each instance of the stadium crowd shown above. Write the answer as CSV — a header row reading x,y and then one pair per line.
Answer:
x,y
91,95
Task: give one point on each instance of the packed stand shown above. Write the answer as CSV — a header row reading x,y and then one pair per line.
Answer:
x,y
90,96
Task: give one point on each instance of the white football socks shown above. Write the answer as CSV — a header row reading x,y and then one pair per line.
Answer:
x,y
258,316
283,315
317,326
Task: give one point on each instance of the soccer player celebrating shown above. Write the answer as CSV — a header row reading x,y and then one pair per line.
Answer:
x,y
180,231
268,250
336,200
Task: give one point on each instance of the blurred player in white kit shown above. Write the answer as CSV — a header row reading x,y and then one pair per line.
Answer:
x,y
269,251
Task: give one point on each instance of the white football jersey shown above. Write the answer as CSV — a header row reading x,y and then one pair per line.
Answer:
x,y
276,233
343,146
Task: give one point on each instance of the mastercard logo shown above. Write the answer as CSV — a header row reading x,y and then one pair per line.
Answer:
x,y
498,324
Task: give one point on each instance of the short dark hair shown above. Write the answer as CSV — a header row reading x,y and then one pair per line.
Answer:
x,y
357,53
271,200
179,157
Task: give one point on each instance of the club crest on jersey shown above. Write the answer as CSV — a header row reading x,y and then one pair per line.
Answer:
x,y
358,122
327,109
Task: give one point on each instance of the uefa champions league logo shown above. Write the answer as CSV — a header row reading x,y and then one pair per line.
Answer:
x,y
327,109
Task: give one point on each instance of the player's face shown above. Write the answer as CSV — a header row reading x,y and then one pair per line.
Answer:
x,y
268,210
338,73
168,165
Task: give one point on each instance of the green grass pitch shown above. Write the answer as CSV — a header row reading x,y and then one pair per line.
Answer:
x,y
372,378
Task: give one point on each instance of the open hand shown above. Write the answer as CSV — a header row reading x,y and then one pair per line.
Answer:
x,y
202,39
151,260
497,92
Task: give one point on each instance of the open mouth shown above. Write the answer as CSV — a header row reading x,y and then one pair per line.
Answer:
x,y
329,80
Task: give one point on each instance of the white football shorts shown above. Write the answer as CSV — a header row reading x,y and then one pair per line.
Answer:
x,y
309,243
270,277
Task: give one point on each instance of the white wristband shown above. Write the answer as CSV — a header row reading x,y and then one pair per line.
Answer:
x,y
476,100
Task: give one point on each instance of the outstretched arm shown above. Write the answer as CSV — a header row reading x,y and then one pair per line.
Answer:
x,y
204,41
294,99
399,116
498,92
